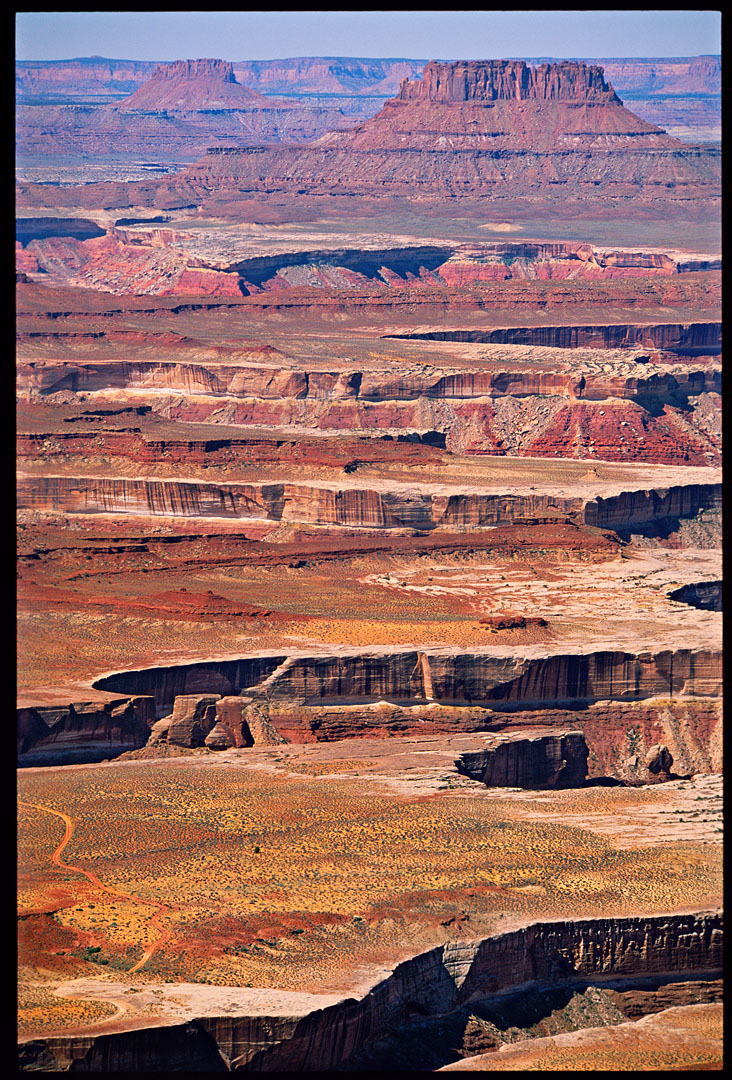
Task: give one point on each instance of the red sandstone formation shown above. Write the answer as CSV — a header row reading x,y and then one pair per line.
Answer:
x,y
86,731
106,263
182,109
546,761
493,80
397,506
193,84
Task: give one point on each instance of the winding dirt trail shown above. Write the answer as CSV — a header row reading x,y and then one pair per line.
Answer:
x,y
162,909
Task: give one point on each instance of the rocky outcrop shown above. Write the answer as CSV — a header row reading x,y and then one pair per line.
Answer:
x,y
218,723
440,981
658,761
545,761
323,387
183,108
477,127
706,595
467,129
84,731
639,507
166,1047
191,720
497,681
107,264
628,413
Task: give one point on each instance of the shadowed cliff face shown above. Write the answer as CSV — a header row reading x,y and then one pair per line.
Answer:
x,y
401,508
83,732
551,761
436,982
706,595
452,679
704,337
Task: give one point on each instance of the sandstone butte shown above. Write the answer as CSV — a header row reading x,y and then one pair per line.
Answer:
x,y
194,84
376,612
480,127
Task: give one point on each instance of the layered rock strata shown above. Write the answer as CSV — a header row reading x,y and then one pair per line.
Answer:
x,y
400,507
706,595
468,129
703,337
183,108
193,84
479,127
619,734
544,954
499,681
285,385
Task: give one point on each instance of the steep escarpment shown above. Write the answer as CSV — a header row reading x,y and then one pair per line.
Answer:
x,y
619,951
467,129
474,127
703,337
524,405
250,381
498,680
183,108
400,506
508,80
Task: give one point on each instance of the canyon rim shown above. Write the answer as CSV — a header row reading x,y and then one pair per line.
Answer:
x,y
369,450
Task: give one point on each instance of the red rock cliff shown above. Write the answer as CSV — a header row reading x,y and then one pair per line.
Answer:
x,y
492,80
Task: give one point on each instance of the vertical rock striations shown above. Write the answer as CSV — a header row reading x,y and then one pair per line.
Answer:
x,y
432,983
547,761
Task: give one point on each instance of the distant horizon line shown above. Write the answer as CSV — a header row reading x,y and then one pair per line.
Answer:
x,y
343,56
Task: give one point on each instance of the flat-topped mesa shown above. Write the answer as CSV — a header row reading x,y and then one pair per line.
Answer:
x,y
192,85
220,70
507,80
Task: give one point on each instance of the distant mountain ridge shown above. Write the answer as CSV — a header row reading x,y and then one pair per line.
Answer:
x,y
680,94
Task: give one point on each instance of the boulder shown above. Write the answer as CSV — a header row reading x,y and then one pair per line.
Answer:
x,y
658,761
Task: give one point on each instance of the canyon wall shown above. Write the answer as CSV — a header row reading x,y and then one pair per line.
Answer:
x,y
508,80
84,731
402,507
278,383
673,336
497,681
435,982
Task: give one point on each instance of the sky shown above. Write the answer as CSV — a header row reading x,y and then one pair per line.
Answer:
x,y
431,35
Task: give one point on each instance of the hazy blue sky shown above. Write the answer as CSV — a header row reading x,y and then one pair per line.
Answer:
x,y
440,35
